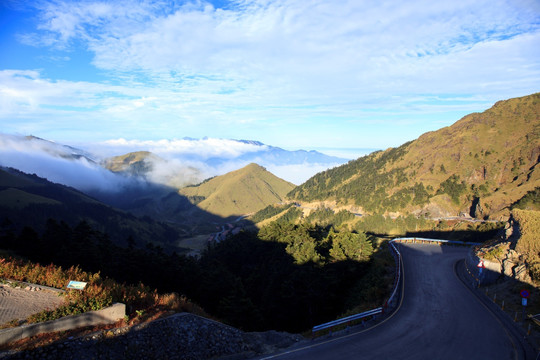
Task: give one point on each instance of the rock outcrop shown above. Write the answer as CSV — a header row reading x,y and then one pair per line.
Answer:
x,y
504,256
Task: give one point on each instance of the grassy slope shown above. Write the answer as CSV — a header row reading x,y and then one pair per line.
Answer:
x,y
130,161
29,186
497,150
20,199
240,192
529,229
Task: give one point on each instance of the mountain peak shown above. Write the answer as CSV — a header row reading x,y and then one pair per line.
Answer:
x,y
239,192
251,142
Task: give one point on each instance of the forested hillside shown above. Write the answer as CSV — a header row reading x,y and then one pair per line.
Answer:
x,y
29,201
286,277
479,166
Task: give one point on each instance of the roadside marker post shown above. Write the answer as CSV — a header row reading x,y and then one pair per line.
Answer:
x,y
525,294
481,266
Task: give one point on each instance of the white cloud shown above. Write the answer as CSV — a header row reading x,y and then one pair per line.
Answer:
x,y
56,163
201,148
274,70
297,174
292,43
181,162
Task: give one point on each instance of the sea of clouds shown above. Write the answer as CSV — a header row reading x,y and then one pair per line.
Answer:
x,y
177,163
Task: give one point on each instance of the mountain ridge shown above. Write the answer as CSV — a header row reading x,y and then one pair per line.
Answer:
x,y
28,200
487,158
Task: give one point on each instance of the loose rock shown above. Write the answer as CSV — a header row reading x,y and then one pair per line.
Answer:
x,y
181,336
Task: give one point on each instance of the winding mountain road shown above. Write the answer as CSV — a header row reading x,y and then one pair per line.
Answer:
x,y
438,318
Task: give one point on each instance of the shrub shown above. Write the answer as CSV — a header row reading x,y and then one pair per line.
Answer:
x,y
98,293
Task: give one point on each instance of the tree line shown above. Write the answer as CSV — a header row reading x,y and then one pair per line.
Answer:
x,y
284,277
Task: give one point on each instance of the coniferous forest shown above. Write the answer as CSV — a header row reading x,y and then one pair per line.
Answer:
x,y
285,277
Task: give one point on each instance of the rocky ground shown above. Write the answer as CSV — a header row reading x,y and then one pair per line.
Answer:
x,y
180,336
510,275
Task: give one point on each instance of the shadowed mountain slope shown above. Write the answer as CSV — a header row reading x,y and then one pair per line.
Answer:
x,y
28,200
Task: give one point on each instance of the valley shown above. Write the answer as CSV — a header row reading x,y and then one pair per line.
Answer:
x,y
258,252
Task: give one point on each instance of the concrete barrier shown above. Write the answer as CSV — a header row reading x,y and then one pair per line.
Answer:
x,y
92,318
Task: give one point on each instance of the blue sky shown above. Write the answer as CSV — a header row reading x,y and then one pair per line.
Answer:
x,y
299,74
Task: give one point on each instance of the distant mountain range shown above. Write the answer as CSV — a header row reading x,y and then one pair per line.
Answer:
x,y
187,161
175,163
148,185
479,167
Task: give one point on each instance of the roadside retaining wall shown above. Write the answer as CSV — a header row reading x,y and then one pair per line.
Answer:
x,y
92,318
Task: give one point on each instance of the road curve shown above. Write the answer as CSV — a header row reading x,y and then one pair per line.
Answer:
x,y
438,318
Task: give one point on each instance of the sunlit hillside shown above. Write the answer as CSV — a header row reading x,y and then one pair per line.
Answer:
x,y
479,166
239,192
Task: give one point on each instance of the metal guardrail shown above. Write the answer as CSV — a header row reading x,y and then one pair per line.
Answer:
x,y
414,239
397,281
347,319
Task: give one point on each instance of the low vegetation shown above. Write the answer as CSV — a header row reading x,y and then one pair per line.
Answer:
x,y
288,276
239,192
529,241
530,201
487,157
379,224
99,292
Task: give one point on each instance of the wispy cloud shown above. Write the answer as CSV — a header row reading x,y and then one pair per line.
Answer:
x,y
58,164
255,67
201,148
287,39
175,163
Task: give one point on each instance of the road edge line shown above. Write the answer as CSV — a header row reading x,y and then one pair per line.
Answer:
x,y
511,333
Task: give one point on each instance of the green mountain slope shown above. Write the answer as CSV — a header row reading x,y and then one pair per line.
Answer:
x,y
154,168
136,163
28,200
479,166
239,192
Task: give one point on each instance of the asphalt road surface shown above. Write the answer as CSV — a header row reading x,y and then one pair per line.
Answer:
x,y
439,318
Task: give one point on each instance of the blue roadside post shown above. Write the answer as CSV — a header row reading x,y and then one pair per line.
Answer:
x,y
525,294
